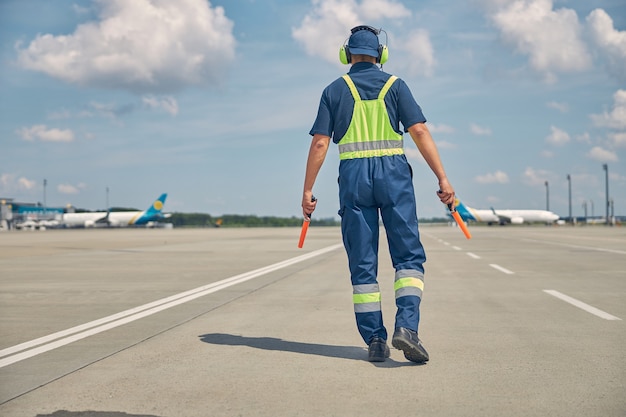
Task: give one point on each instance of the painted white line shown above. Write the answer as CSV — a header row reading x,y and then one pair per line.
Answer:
x,y
456,248
97,326
446,243
499,268
472,255
619,252
581,305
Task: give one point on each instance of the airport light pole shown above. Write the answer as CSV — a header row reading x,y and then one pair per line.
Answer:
x,y
547,196
606,171
569,195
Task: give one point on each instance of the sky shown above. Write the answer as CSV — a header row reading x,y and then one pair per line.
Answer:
x,y
117,101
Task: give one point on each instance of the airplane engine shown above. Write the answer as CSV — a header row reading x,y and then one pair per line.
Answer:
x,y
517,220
90,223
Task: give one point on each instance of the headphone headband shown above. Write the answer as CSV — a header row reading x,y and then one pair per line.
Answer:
x,y
365,27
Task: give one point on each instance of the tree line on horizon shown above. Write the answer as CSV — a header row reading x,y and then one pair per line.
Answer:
x,y
239,220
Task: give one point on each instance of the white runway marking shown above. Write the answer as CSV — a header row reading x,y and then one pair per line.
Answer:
x,y
581,305
73,334
499,268
456,248
619,252
473,255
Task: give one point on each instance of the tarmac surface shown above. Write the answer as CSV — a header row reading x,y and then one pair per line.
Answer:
x,y
518,321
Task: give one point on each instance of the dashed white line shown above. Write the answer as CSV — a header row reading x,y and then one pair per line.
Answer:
x,y
619,252
586,307
473,255
499,268
456,248
65,337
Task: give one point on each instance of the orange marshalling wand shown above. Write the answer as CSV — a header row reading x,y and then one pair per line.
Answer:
x,y
459,221
305,227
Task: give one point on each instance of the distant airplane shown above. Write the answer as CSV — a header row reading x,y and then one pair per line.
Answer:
x,y
116,218
503,217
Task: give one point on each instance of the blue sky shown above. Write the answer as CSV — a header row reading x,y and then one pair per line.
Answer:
x,y
212,102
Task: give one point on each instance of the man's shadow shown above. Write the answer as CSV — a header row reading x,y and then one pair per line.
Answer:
x,y
64,413
272,343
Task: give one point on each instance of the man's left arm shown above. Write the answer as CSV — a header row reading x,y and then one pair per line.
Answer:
x,y
426,145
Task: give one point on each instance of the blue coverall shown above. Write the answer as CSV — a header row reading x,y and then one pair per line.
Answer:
x,y
375,181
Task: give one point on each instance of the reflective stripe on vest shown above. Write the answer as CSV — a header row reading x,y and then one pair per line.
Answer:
x,y
370,133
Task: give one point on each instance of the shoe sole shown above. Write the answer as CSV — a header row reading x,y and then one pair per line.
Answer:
x,y
410,351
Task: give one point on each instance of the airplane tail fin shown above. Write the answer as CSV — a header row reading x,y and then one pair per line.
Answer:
x,y
463,210
157,206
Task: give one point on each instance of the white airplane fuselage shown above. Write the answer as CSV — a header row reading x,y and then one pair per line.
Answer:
x,y
514,216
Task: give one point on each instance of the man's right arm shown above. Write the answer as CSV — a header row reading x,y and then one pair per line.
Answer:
x,y
317,155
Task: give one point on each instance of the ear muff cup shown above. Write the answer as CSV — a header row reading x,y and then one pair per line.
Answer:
x,y
383,54
344,55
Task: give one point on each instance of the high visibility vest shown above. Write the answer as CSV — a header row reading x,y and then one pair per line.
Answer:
x,y
370,133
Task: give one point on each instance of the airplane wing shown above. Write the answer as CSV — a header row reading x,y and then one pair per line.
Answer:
x,y
103,220
501,217
511,216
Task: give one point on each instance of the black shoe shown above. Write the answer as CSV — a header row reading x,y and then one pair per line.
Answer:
x,y
378,350
407,341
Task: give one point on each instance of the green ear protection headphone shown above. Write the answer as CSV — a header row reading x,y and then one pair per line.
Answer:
x,y
383,53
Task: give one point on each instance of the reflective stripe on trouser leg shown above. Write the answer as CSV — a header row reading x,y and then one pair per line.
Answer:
x,y
408,285
367,310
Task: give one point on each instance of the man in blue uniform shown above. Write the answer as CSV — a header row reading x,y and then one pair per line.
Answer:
x,y
362,112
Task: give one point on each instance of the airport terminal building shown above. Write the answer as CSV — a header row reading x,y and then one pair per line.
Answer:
x,y
18,215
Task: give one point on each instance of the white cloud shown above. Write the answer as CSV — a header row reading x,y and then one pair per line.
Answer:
x,y
602,155
25,184
535,177
416,46
584,138
618,140
479,130
551,38
444,144
140,45
10,183
325,28
414,154
69,188
562,107
168,104
558,137
612,43
498,177
45,134
107,110
616,118
442,128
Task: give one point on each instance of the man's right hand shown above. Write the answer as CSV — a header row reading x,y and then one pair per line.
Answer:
x,y
308,204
